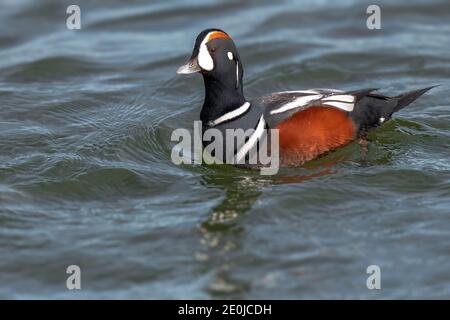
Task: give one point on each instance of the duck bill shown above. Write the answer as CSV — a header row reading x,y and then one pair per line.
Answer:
x,y
191,66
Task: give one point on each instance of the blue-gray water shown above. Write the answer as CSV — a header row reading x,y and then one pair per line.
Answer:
x,y
86,176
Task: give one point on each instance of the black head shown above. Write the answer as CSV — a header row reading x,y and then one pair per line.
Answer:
x,y
216,57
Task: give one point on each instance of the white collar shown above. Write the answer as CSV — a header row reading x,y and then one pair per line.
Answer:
x,y
231,115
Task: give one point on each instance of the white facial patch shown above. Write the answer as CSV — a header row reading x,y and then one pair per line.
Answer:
x,y
230,55
204,58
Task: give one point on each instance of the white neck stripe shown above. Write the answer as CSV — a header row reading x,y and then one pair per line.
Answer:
x,y
231,115
237,74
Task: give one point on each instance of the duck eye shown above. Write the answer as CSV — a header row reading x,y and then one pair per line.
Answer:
x,y
212,50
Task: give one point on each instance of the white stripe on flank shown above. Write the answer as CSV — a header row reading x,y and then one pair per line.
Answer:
x,y
340,97
231,115
341,105
299,102
251,141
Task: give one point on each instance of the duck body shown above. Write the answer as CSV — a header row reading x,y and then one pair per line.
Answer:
x,y
310,122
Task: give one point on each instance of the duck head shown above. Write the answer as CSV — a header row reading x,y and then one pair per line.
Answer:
x,y
215,56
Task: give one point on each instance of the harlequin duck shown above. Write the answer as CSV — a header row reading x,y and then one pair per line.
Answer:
x,y
310,122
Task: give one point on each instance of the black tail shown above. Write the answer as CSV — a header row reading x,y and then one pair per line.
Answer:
x,y
373,109
406,98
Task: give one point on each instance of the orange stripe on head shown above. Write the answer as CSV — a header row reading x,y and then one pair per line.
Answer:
x,y
218,35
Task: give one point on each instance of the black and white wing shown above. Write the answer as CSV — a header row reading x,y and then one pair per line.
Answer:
x,y
282,105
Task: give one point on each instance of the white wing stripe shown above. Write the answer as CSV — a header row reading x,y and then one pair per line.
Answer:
x,y
330,90
231,115
340,98
341,105
314,91
301,91
299,102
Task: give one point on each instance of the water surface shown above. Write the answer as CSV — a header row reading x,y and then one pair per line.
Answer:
x,y
86,176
